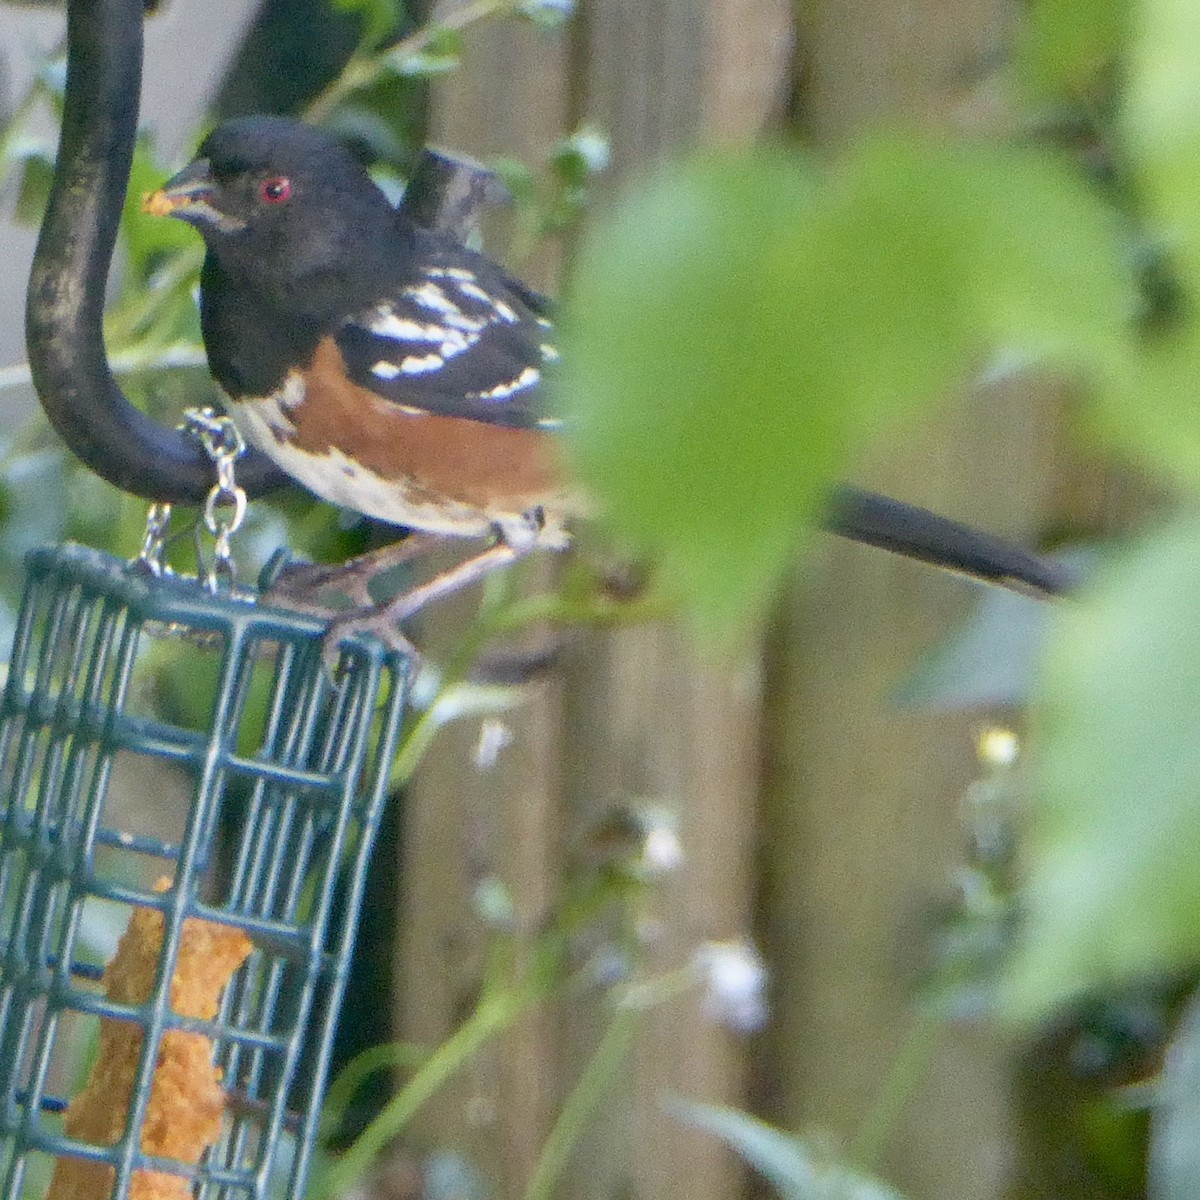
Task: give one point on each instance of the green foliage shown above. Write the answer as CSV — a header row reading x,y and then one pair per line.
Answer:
x,y
743,327
1114,844
551,198
438,53
1068,45
37,173
1160,126
1112,891
795,1170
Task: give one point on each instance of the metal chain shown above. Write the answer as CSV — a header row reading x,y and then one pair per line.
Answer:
x,y
224,444
224,506
152,555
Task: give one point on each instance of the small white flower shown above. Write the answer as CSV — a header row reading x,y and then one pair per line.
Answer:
x,y
493,902
662,851
734,978
591,147
494,736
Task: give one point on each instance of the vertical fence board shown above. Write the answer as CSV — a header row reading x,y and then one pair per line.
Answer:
x,y
637,717
510,98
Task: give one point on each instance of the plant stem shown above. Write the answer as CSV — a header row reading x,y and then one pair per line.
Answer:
x,y
592,1085
491,1016
907,1070
363,69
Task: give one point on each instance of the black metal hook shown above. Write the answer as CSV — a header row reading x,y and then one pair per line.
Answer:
x,y
65,305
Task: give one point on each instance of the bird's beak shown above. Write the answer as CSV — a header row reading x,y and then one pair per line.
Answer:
x,y
190,196
180,196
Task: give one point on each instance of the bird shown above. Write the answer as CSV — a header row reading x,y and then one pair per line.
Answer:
x,y
394,371
386,367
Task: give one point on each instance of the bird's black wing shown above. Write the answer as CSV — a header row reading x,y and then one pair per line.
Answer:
x,y
456,338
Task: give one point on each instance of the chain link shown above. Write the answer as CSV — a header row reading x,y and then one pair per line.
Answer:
x,y
224,506
154,541
224,444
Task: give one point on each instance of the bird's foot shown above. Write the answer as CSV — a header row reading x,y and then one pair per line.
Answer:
x,y
377,622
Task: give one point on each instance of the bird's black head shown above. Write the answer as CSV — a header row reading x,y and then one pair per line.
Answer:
x,y
284,208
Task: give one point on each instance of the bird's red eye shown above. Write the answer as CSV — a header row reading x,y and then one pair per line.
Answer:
x,y
275,190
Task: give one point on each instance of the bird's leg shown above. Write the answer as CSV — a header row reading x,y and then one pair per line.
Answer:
x,y
299,585
514,542
383,620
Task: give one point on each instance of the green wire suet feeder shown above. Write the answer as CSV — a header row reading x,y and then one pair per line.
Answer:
x,y
306,793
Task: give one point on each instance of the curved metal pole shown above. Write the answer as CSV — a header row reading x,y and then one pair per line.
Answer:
x,y
65,304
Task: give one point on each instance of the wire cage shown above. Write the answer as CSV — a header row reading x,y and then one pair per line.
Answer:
x,y
255,895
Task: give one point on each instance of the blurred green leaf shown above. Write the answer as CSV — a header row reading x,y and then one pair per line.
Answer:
x,y
37,174
438,54
991,659
672,364
1066,45
740,330
1162,125
1157,420
546,14
1113,848
1162,136
788,1163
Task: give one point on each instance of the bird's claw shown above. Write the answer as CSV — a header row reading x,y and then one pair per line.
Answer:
x,y
374,623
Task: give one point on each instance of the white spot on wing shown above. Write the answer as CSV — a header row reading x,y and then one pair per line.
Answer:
x,y
386,370
456,343
430,296
450,338
549,352
418,365
475,292
401,329
527,378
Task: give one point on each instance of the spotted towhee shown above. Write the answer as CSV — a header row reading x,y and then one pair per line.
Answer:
x,y
385,366
392,370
